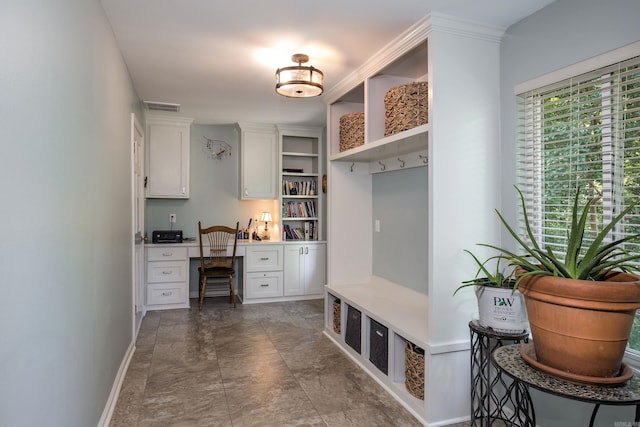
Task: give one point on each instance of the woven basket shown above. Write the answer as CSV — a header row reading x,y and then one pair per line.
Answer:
x,y
336,316
414,370
351,131
405,107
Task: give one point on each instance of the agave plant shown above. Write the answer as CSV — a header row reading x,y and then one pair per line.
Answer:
x,y
484,277
579,261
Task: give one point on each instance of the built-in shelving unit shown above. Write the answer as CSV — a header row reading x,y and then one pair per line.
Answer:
x,y
459,147
300,178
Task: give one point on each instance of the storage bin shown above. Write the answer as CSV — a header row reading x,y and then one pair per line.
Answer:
x,y
351,131
406,107
354,329
336,316
379,346
414,370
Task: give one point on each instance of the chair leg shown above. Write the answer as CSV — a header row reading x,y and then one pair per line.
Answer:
x,y
232,291
202,289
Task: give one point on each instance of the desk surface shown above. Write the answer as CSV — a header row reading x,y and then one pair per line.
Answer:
x,y
508,359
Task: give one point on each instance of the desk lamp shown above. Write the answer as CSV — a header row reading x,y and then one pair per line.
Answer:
x,y
266,217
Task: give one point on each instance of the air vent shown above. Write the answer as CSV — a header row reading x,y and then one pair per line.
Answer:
x,y
161,106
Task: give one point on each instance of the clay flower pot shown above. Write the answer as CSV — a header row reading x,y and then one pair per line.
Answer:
x,y
581,326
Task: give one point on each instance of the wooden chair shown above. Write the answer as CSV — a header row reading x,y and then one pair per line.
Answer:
x,y
214,261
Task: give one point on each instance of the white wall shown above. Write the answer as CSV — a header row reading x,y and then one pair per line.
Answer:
x,y
563,33
66,317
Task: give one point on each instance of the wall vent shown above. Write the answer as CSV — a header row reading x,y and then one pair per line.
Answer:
x,y
161,106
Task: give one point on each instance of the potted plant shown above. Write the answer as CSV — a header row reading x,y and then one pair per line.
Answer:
x,y
500,304
580,304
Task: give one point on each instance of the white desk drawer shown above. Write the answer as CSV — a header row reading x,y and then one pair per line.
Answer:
x,y
167,293
263,285
166,254
169,271
264,258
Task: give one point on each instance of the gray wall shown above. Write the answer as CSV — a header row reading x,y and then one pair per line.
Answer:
x,y
66,317
399,248
563,33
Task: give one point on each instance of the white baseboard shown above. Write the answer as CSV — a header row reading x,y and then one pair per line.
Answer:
x,y
107,413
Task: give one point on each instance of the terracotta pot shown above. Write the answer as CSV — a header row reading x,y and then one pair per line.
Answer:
x,y
580,326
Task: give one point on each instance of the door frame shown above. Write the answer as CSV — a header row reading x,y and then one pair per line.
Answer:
x,y
137,223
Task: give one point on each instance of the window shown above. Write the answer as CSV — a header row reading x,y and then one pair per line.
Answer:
x,y
582,133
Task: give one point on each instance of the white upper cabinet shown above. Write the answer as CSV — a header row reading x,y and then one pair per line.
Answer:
x,y
258,161
168,157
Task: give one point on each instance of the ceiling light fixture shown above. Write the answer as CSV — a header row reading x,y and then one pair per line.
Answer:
x,y
299,81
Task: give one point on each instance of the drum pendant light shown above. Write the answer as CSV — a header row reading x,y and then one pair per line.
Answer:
x,y
299,81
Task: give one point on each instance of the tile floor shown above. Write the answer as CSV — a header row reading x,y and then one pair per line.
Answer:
x,y
255,365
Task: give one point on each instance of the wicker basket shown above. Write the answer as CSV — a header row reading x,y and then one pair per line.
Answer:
x,y
351,131
336,316
414,370
405,107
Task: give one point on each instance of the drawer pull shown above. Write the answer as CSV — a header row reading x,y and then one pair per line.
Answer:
x,y
264,259
167,294
380,334
167,272
264,285
167,254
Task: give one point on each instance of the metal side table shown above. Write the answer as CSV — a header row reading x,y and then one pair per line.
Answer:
x,y
509,361
490,392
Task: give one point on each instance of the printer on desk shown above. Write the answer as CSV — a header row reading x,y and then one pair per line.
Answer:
x,y
167,236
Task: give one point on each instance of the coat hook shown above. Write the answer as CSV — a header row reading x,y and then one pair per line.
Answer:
x,y
383,166
401,162
352,164
424,158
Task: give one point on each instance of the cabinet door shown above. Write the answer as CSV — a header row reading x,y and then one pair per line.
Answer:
x,y
258,165
168,159
293,274
314,269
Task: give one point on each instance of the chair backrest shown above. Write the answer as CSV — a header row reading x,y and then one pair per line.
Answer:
x,y
214,242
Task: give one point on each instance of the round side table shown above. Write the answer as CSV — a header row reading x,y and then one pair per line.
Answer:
x,y
509,361
490,391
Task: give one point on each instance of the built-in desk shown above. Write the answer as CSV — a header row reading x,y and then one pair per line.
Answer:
x,y
266,271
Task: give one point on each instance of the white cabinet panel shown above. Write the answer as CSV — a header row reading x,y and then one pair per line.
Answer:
x,y
168,157
304,269
258,162
264,285
264,258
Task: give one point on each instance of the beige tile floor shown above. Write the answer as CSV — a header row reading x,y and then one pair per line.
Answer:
x,y
255,365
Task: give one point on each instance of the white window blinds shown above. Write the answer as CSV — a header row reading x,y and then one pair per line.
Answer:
x,y
581,133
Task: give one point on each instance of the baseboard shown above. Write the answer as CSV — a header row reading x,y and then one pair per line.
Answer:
x,y
107,413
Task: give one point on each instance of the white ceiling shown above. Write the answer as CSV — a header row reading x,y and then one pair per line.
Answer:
x,y
218,58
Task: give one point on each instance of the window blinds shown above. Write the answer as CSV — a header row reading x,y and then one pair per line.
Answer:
x,y
581,133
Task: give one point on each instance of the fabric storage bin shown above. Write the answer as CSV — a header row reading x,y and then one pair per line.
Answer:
x,y
354,329
406,107
351,131
379,346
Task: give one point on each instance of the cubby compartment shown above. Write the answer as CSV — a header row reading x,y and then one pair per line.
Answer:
x,y
409,367
353,334
379,345
336,318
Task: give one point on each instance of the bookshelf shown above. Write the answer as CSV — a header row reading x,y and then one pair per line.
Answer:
x,y
301,185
